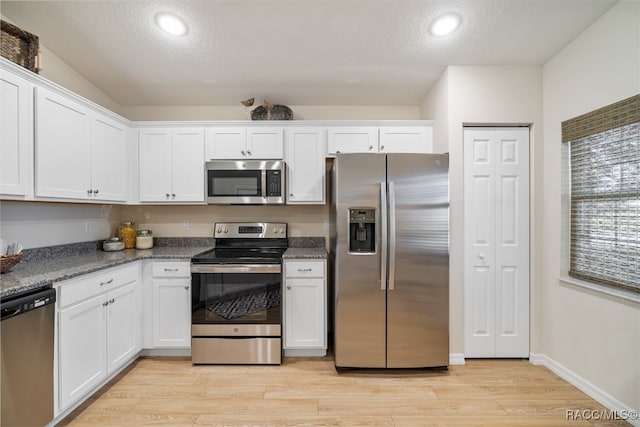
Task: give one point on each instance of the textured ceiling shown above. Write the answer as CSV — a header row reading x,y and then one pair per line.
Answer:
x,y
295,52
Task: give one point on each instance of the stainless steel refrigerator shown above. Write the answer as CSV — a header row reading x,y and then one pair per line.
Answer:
x,y
390,249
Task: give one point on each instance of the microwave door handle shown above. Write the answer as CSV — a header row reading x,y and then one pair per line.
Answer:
x,y
263,189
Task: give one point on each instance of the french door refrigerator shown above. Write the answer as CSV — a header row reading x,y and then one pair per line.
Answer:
x,y
390,249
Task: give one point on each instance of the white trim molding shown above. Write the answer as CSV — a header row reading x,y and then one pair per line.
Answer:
x,y
586,387
456,359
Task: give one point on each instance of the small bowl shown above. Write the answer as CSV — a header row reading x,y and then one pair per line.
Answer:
x,y
7,262
112,245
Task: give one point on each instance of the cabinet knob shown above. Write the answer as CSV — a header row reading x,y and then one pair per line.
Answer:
x,y
382,147
89,191
370,147
112,300
173,195
248,153
186,287
106,303
166,195
288,287
95,191
243,152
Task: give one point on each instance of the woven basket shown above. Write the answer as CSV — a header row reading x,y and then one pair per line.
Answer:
x,y
278,112
7,262
19,46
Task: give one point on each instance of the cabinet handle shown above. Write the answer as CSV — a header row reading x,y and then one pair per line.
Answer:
x,y
107,282
170,269
304,270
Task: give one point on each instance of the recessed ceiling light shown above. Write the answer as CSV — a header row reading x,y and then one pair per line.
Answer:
x,y
445,24
171,24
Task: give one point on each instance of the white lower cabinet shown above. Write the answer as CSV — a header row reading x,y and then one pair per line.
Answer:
x,y
97,329
305,307
171,304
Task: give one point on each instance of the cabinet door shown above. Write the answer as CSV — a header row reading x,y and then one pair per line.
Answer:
x,y
155,165
16,134
352,140
264,143
304,313
122,326
172,312
304,155
62,149
226,143
405,139
187,156
108,159
82,349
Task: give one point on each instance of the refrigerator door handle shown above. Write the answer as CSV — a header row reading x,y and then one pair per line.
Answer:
x,y
392,235
383,234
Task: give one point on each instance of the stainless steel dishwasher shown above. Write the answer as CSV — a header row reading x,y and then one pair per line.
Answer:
x,y
26,342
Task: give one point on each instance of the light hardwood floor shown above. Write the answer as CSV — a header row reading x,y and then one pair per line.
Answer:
x,y
309,392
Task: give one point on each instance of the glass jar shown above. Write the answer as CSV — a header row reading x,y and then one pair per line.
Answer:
x,y
144,239
127,233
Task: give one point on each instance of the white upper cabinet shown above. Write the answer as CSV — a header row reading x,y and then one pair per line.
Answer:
x,y
406,139
108,159
16,135
361,139
224,142
79,154
372,139
62,150
171,165
304,156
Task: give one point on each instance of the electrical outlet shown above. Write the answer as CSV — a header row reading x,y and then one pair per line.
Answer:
x,y
88,227
186,225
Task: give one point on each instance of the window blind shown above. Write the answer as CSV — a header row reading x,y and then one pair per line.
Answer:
x,y
605,195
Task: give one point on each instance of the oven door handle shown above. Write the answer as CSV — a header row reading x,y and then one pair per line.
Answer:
x,y
236,268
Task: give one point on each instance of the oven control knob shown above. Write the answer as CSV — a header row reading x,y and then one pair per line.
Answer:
x,y
226,230
219,230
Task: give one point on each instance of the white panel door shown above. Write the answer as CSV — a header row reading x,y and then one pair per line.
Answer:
x,y
406,139
352,140
16,134
264,143
304,155
63,147
226,143
108,159
155,165
171,312
304,313
187,157
496,222
122,330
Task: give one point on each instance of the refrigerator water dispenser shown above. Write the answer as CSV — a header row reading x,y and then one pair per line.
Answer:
x,y
362,230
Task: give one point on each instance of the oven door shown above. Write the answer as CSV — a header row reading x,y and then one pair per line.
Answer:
x,y
236,294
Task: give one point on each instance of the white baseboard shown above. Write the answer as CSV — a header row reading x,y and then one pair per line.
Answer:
x,y
593,391
456,359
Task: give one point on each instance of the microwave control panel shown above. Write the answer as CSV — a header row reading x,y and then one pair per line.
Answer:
x,y
274,183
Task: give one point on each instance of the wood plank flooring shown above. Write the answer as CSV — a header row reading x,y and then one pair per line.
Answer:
x,y
309,392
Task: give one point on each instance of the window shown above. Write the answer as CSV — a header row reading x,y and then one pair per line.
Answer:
x,y
604,147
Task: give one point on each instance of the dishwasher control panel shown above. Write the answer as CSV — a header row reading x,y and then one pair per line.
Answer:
x,y
23,303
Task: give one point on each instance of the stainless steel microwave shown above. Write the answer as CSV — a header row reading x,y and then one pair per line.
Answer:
x,y
245,182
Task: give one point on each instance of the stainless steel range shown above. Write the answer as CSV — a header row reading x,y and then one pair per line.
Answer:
x,y
236,301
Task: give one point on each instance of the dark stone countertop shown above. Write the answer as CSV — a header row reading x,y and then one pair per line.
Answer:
x,y
305,253
44,272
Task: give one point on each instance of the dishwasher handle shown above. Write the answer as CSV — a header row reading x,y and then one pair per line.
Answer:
x,y
22,303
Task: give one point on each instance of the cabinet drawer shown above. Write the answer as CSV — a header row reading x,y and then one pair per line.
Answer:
x,y
171,269
92,284
304,268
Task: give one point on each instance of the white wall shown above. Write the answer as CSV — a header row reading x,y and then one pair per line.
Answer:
x,y
593,335
300,112
485,95
36,224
